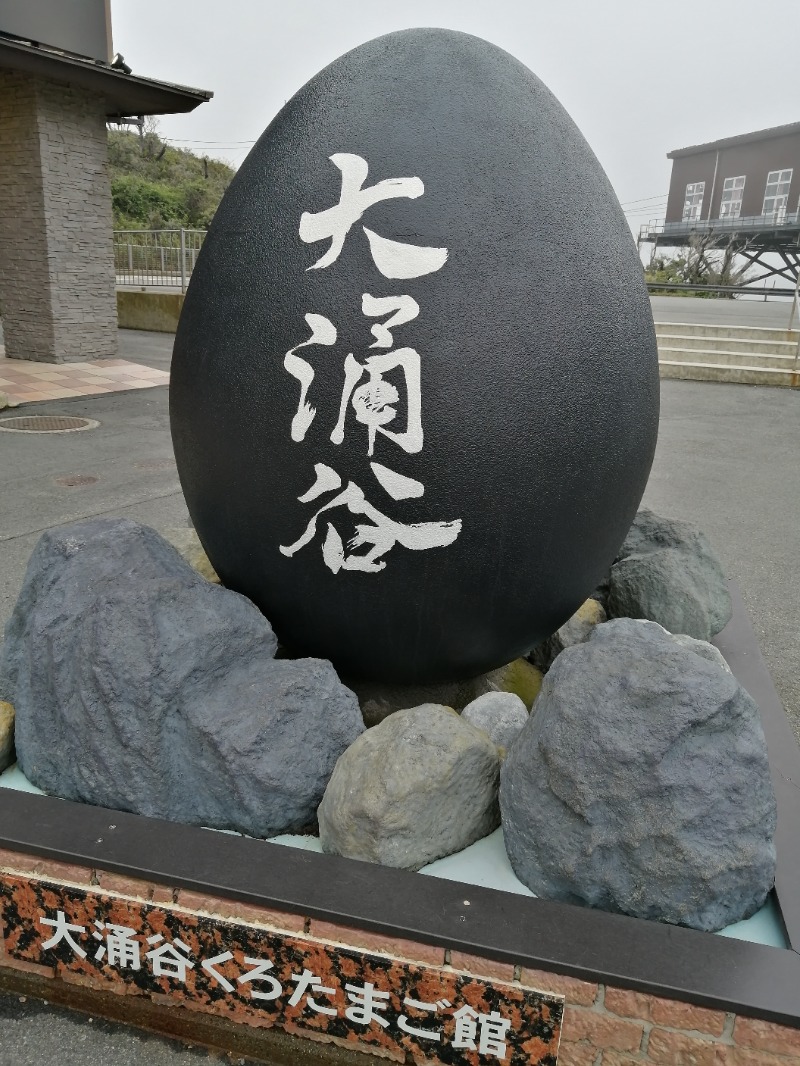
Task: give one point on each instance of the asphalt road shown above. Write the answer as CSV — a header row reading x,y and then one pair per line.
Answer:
x,y
728,459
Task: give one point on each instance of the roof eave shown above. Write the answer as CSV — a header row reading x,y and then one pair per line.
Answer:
x,y
125,94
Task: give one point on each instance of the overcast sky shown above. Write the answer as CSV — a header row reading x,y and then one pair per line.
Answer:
x,y
638,77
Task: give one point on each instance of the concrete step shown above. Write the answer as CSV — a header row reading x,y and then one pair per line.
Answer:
x,y
726,358
727,344
742,375
755,333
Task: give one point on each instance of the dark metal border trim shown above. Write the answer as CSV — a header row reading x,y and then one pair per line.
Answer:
x,y
700,968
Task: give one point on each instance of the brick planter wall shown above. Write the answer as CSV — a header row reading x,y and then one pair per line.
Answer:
x,y
603,1025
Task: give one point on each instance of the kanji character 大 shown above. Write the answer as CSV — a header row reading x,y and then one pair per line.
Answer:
x,y
392,258
62,930
308,981
117,941
492,1036
365,1000
429,1008
169,960
259,973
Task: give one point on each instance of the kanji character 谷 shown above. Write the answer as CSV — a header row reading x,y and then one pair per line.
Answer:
x,y
169,960
381,536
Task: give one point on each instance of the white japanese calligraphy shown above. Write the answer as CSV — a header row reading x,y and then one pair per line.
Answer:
x,y
365,1000
394,260
62,930
379,538
323,331
117,941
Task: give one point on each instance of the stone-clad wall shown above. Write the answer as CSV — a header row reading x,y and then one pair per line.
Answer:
x,y
603,1025
57,284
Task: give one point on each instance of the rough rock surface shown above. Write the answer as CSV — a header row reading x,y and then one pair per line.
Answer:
x,y
187,543
141,686
501,715
6,691
421,785
642,784
379,701
575,630
702,648
6,735
667,572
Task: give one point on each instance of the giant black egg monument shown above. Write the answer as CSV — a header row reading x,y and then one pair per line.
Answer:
x,y
414,393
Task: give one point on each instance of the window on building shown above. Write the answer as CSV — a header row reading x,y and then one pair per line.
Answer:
x,y
693,203
776,194
731,203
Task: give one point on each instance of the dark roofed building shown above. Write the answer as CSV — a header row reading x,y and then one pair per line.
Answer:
x,y
57,283
743,191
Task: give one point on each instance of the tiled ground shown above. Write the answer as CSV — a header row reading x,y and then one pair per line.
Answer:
x,y
25,382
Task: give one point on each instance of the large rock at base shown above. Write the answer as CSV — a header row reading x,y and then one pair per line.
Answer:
x,y
421,785
668,572
642,784
575,630
501,716
6,689
140,686
378,701
6,735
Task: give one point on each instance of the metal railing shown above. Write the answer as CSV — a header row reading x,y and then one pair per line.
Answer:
x,y
162,258
775,220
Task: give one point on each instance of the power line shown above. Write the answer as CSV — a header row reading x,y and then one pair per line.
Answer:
x,y
644,199
227,144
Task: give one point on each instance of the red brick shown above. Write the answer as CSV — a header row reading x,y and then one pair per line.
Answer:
x,y
602,1030
579,993
242,912
766,1036
121,885
677,1049
727,1055
669,1012
164,894
480,967
577,1055
50,870
382,943
27,967
19,861
619,1058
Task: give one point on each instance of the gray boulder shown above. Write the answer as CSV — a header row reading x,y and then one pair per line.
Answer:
x,y
6,735
501,715
642,784
575,630
420,785
701,648
667,572
6,693
141,686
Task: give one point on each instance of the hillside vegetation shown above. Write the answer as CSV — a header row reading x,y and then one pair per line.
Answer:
x,y
154,186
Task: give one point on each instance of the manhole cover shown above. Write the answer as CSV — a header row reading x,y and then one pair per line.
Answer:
x,y
46,424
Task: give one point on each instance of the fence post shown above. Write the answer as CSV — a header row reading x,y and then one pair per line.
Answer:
x,y
130,260
183,259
